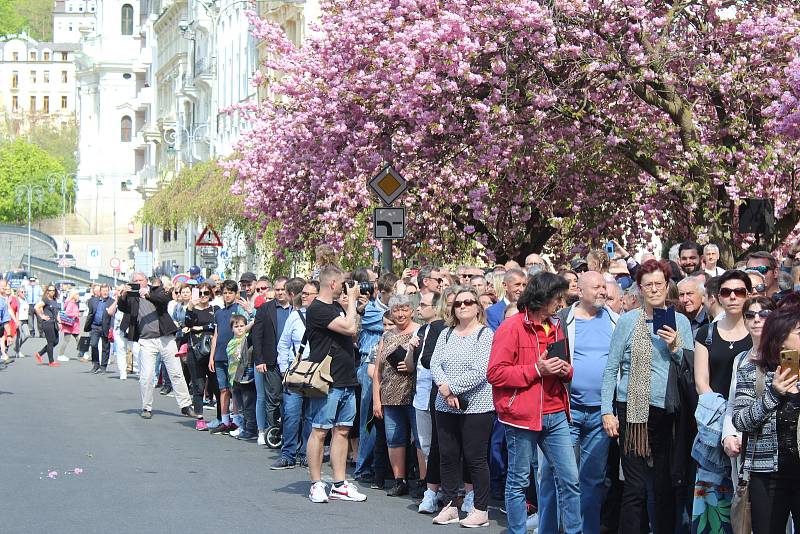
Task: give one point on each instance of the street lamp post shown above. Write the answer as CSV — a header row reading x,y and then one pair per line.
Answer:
x,y
52,180
29,190
192,136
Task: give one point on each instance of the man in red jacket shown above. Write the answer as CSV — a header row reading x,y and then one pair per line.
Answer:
x,y
532,401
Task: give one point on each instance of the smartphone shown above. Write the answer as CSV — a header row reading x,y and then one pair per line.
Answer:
x,y
243,294
610,249
664,317
558,349
195,293
790,359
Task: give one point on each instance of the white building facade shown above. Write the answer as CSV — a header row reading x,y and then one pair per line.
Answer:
x,y
115,102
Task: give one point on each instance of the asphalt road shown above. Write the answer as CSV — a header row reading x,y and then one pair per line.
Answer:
x,y
115,472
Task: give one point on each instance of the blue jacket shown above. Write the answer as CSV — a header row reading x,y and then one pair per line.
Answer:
x,y
371,326
713,465
496,313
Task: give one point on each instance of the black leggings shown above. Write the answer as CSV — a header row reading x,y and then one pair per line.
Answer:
x,y
773,496
201,375
467,436
51,336
433,468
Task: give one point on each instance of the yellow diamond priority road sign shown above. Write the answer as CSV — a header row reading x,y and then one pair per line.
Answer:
x,y
388,185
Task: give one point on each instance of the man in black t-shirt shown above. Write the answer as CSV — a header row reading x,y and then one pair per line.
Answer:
x,y
330,330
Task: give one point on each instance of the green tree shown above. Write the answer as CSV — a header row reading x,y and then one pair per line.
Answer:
x,y
23,163
61,142
37,16
11,22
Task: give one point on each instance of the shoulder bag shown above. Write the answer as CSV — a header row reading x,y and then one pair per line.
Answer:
x,y
741,519
307,378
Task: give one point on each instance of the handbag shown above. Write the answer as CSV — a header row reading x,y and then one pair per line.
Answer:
x,y
202,345
307,378
83,344
741,518
66,320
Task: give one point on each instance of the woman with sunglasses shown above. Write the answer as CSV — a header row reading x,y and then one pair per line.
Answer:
x,y
715,349
756,311
464,408
47,311
199,322
635,387
766,408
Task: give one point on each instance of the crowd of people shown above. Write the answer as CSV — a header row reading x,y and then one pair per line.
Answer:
x,y
568,395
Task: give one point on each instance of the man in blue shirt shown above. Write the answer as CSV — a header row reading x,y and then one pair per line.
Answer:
x,y
98,323
588,324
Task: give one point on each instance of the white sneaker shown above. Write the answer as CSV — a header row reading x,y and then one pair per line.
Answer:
x,y
235,433
62,358
469,502
347,492
533,522
87,356
318,492
262,440
428,504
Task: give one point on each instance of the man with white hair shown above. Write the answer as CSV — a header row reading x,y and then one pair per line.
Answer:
x,y
710,259
691,294
614,297
631,299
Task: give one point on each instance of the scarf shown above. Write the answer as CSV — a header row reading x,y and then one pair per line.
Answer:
x,y
638,403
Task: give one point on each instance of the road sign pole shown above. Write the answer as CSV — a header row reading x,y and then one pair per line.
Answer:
x,y
386,256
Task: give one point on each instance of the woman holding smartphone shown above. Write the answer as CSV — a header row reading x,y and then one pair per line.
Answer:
x,y
464,407
199,325
715,349
634,405
767,408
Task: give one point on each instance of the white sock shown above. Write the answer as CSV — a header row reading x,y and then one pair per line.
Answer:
x,y
226,419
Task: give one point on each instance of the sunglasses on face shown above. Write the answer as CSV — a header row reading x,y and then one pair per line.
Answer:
x,y
726,292
307,294
205,293
262,289
763,269
750,315
760,288
464,303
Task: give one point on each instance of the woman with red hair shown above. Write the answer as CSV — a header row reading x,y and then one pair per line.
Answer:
x,y
635,407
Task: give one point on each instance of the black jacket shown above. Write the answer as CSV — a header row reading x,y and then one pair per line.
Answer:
x,y
264,335
129,304
92,304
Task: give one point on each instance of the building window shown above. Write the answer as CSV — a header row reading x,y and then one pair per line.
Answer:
x,y
63,76
127,19
33,76
32,56
63,56
15,56
46,104
15,103
126,129
46,76
63,102
33,104
47,56
14,80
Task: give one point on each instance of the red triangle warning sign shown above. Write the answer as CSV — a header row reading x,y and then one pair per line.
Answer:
x,y
208,238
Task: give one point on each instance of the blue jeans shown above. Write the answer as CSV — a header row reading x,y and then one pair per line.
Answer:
x,y
556,443
588,435
294,417
337,409
397,421
366,439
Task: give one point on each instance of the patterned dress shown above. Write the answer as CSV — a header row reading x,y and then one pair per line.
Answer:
x,y
397,389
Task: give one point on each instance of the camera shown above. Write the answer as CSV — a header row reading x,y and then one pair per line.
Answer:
x,y
366,288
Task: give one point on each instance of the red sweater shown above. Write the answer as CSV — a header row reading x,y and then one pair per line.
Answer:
x,y
521,395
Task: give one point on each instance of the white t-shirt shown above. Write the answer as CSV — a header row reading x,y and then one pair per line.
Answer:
x,y
716,271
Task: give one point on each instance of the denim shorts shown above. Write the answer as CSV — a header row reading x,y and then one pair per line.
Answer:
x,y
397,420
337,409
223,376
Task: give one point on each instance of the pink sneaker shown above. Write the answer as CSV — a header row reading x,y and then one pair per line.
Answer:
x,y
200,425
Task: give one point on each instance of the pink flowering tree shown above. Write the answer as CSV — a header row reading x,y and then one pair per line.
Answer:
x,y
524,125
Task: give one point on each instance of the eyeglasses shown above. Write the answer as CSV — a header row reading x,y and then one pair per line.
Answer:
x,y
763,269
464,303
204,293
424,305
308,294
654,286
726,292
262,289
750,315
760,288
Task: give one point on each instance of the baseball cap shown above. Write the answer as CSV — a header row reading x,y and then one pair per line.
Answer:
x,y
247,277
194,270
578,265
